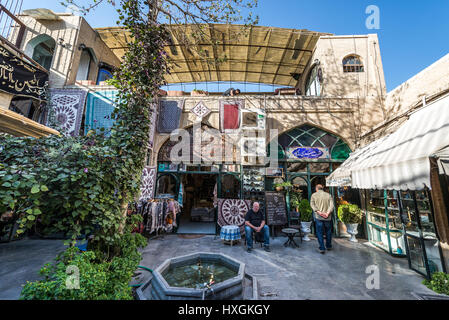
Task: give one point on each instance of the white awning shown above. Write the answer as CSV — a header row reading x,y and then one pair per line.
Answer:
x,y
399,161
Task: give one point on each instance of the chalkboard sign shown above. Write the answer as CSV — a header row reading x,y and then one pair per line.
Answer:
x,y
275,208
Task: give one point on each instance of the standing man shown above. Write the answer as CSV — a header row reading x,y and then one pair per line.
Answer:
x,y
323,205
255,222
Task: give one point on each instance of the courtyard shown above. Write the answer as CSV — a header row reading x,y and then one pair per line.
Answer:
x,y
282,274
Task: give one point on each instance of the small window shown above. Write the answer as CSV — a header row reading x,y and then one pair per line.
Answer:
x,y
352,64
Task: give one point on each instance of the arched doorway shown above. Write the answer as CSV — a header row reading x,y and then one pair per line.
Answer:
x,y
200,185
86,59
308,154
41,49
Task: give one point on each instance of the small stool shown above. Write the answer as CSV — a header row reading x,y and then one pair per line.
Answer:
x,y
230,234
290,234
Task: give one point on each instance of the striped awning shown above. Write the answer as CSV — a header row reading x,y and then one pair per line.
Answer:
x,y
399,161
257,54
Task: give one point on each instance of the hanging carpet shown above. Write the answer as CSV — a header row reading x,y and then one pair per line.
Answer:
x,y
148,181
233,212
169,115
230,114
68,107
100,105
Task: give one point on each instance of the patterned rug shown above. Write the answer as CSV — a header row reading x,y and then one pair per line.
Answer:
x,y
68,105
169,116
232,212
148,181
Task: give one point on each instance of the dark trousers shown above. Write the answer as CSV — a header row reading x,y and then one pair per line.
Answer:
x,y
321,228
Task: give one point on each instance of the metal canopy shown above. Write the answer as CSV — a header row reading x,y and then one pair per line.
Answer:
x,y
258,54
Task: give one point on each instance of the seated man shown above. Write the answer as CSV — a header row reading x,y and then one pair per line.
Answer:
x,y
255,222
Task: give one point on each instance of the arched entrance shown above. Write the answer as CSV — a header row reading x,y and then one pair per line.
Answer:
x,y
307,155
198,185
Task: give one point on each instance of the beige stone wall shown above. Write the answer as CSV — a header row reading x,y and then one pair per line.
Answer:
x,y
367,87
69,33
432,80
335,115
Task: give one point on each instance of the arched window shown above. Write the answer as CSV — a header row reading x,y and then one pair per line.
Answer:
x,y
352,63
87,57
313,84
309,136
42,49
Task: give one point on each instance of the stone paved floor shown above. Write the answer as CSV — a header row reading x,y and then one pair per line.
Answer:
x,y
285,272
303,273
20,261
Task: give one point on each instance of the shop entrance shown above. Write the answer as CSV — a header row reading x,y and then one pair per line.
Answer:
x,y
198,212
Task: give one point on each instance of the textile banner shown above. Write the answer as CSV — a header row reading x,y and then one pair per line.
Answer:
x,y
68,107
232,212
148,183
21,78
100,105
169,115
230,114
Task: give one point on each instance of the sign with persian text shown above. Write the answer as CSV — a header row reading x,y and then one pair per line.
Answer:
x,y
307,153
21,78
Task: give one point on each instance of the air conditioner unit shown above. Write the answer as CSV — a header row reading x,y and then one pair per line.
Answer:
x,y
253,119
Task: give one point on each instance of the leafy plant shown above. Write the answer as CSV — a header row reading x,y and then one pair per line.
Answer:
x,y
98,279
350,213
439,283
295,199
306,210
286,185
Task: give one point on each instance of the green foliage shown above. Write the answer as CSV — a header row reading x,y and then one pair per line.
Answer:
x,y
295,199
286,185
98,279
306,210
350,213
439,283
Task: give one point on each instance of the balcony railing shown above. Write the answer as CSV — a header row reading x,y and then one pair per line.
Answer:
x,y
12,30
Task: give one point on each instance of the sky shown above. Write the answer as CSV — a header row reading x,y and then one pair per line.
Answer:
x,y
412,34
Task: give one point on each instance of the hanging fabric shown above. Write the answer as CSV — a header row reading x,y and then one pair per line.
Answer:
x,y
100,105
233,212
148,182
181,195
169,115
21,78
230,114
68,107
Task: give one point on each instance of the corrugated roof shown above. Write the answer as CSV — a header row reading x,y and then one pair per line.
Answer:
x,y
260,54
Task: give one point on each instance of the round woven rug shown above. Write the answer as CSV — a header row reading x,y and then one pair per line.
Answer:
x,y
191,236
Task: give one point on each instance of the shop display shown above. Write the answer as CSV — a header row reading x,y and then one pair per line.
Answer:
x,y
158,215
384,221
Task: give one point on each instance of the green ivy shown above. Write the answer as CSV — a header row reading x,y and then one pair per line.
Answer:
x,y
439,283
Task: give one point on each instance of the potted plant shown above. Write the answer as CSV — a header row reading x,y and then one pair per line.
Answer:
x,y
351,216
295,200
284,185
306,218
